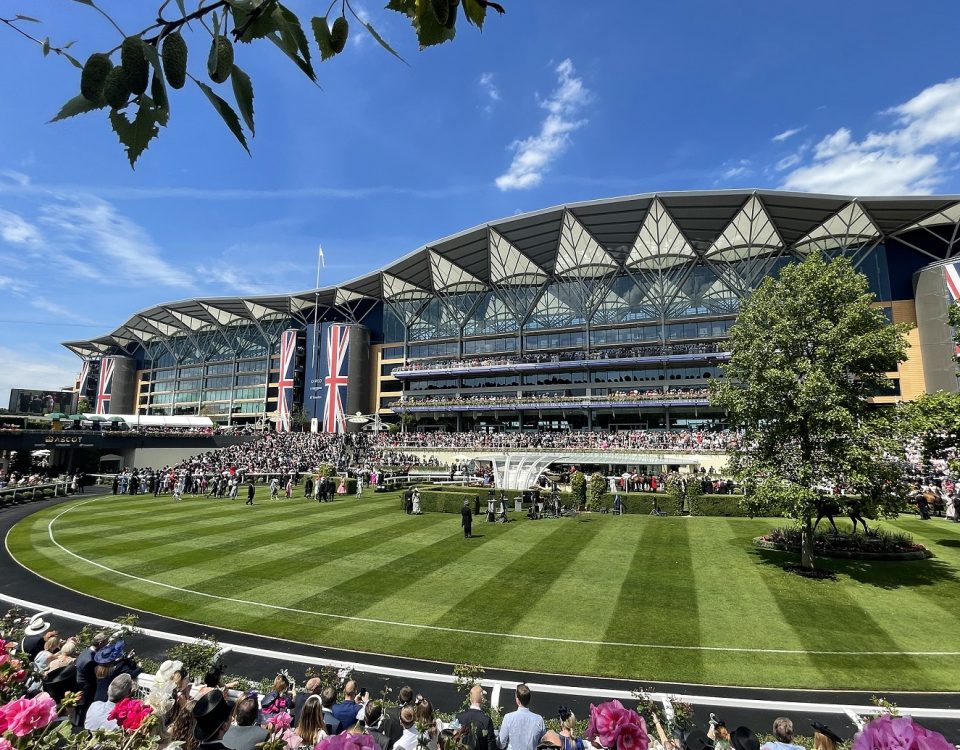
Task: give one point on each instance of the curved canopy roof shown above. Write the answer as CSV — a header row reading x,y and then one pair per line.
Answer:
x,y
589,240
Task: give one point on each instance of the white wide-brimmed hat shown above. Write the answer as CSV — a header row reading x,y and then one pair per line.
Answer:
x,y
166,670
36,626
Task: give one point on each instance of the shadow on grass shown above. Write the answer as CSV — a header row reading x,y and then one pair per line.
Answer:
x,y
883,574
949,542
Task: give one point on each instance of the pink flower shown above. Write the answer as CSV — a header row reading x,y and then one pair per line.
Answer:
x,y
5,744
281,721
898,733
346,741
615,726
24,716
129,714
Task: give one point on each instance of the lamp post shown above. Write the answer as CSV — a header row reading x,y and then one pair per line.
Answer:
x,y
361,418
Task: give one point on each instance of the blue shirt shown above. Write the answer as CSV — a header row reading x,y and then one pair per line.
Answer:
x,y
346,713
521,730
780,746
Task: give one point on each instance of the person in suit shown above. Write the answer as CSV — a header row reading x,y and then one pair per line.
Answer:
x,y
251,491
313,686
408,501
391,723
328,697
479,722
87,674
466,520
211,712
346,710
245,734
372,717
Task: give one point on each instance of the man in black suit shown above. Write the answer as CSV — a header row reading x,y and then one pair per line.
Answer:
x,y
86,674
479,722
312,687
251,491
393,729
408,501
466,519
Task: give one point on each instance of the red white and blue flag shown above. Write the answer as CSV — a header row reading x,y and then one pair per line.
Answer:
x,y
288,347
82,383
105,385
336,379
952,275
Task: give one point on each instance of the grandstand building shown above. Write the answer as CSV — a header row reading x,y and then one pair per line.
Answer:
x,y
605,314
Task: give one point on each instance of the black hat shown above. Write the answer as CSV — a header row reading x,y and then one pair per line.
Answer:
x,y
210,711
697,740
743,738
58,682
825,730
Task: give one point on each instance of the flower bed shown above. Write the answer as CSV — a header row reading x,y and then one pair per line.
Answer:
x,y
875,545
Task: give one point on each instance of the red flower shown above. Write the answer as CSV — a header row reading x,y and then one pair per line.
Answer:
x,y
129,714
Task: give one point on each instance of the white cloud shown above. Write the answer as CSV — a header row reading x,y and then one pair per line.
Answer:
x,y
16,230
906,158
35,370
733,170
60,311
534,155
787,161
108,246
490,90
788,133
15,286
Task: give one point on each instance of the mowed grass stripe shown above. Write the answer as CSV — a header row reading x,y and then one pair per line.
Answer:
x,y
214,544
415,569
77,521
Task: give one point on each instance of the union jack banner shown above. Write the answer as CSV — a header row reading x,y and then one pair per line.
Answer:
x,y
336,380
288,347
952,276
105,385
84,374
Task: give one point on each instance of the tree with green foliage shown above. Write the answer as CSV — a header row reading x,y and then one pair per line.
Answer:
x,y
808,349
934,419
596,490
953,315
578,489
83,405
130,81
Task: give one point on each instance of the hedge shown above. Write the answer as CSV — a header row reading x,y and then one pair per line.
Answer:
x,y
450,500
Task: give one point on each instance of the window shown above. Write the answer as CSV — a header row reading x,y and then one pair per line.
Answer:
x,y
489,346
252,365
392,352
225,369
186,385
388,369
164,374
391,386
250,379
190,372
222,382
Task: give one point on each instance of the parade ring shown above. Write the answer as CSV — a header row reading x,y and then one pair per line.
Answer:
x,y
631,597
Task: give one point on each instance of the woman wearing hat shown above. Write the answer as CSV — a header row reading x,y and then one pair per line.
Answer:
x,y
212,716
111,660
824,738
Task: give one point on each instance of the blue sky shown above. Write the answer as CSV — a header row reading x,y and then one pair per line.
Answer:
x,y
556,101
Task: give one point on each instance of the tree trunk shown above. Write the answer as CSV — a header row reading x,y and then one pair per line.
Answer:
x,y
806,544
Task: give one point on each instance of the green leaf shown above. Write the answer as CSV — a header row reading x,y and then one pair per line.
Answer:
x,y
136,135
383,42
45,47
31,19
262,26
226,112
305,67
292,32
76,106
73,61
407,7
243,92
321,32
475,12
429,30
150,52
158,90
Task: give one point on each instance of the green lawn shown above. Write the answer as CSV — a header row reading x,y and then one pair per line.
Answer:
x,y
607,594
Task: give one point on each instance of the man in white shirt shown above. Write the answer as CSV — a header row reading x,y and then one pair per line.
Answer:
x,y
410,737
120,687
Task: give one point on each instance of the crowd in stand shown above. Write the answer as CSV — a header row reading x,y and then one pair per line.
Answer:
x,y
668,394
685,440
577,356
96,694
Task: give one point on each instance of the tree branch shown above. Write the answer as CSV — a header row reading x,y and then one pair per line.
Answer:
x,y
170,26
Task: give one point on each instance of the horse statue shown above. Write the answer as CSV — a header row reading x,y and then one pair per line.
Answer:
x,y
828,507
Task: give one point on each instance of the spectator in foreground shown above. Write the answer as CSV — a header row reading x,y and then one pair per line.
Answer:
x,y
410,738
310,728
328,697
522,729
372,717
120,687
479,721
245,734
346,710
783,731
